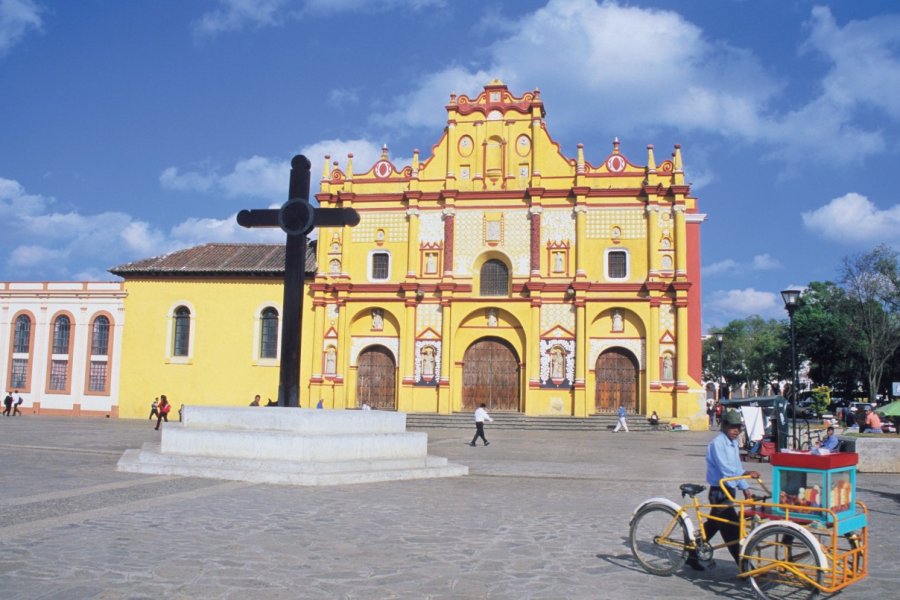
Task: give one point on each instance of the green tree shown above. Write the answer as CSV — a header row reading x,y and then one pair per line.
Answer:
x,y
871,282
753,353
822,324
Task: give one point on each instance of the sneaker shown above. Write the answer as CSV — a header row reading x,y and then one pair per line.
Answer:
x,y
472,444
487,443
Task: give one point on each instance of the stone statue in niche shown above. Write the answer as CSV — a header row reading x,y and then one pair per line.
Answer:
x,y
618,324
668,375
666,262
557,363
334,267
377,319
431,262
492,317
558,266
666,243
330,360
427,362
616,233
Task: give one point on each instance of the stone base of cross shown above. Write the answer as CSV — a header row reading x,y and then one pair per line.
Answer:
x,y
297,217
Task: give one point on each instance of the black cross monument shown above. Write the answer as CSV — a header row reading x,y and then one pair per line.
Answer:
x,y
297,217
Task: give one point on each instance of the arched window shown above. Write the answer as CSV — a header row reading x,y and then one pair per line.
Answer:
x,y
268,334
59,361
22,343
494,278
100,337
182,337
21,357
61,335
98,364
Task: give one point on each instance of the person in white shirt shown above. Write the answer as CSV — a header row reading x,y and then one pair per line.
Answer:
x,y
481,415
365,406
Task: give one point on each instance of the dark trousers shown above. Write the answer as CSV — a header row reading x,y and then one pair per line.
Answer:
x,y
8,408
162,417
154,413
479,432
730,531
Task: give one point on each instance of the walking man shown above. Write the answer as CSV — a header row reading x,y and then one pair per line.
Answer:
x,y
8,402
16,406
481,415
621,424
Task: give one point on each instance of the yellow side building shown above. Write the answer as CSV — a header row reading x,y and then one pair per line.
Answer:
x,y
494,270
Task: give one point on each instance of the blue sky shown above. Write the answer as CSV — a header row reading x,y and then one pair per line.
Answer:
x,y
129,129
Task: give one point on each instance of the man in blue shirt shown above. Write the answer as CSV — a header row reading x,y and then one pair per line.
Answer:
x,y
723,459
831,442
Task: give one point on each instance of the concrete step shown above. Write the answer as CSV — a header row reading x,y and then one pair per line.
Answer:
x,y
150,461
293,420
178,438
519,421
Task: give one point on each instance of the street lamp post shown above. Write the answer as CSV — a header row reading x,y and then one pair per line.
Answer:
x,y
720,337
791,301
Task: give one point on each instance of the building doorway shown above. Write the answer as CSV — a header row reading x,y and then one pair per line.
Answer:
x,y
617,382
491,376
376,378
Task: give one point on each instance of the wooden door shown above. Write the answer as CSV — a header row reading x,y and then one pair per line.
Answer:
x,y
491,376
617,382
376,378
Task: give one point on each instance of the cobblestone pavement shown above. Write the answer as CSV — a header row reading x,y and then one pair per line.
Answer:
x,y
542,515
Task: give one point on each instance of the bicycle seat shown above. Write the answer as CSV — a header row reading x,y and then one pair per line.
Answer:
x,y
691,489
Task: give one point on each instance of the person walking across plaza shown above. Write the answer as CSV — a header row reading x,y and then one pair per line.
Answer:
x,y
481,415
16,406
621,424
7,402
154,409
164,408
723,459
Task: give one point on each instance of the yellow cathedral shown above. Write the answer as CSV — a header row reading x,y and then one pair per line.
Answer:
x,y
496,270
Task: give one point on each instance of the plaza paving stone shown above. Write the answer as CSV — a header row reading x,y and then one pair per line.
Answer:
x,y
543,514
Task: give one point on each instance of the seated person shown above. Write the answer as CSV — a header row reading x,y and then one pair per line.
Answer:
x,y
873,422
654,419
830,442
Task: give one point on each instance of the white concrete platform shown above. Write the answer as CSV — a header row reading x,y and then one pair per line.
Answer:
x,y
290,446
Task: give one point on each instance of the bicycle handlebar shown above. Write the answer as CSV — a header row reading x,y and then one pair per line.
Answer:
x,y
727,491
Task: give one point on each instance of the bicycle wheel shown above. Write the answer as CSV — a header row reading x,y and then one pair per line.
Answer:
x,y
658,539
771,549
806,446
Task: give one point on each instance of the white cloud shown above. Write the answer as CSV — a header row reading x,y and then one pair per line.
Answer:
x,y
854,219
14,201
738,304
17,18
866,68
723,266
575,51
234,15
31,255
172,179
760,262
765,262
40,243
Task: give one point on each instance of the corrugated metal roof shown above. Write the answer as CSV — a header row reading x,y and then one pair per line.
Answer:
x,y
218,259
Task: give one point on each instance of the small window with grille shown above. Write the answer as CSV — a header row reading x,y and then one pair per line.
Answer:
x,y
381,266
494,279
617,264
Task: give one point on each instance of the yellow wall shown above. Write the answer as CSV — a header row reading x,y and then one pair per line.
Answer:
x,y
223,368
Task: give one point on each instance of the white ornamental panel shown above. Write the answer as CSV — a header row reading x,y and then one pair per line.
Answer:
x,y
361,343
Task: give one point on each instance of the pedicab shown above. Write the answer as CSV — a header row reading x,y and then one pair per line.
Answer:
x,y
806,535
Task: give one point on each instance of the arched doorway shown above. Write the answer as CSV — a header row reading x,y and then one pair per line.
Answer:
x,y
617,381
491,376
376,378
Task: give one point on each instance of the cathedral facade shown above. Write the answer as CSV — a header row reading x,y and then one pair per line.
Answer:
x,y
496,270
499,271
